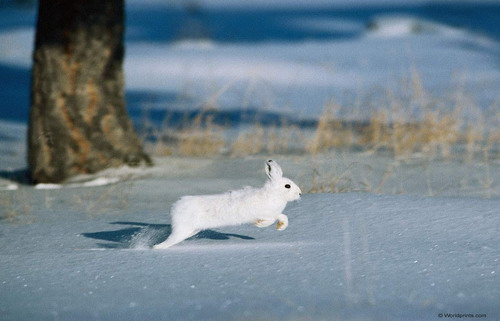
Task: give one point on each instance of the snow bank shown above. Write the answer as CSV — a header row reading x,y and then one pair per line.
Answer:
x,y
276,4
100,181
399,26
17,45
10,187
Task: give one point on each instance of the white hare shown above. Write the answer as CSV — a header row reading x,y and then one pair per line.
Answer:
x,y
260,206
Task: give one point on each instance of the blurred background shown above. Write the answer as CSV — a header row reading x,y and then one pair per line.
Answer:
x,y
303,77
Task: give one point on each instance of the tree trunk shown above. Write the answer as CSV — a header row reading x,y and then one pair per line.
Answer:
x,y
78,121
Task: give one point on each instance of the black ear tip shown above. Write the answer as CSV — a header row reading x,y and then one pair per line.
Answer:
x,y
270,161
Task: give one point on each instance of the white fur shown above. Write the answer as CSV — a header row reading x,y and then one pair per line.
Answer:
x,y
260,206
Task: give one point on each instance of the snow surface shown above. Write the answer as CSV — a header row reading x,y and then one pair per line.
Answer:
x,y
343,256
81,251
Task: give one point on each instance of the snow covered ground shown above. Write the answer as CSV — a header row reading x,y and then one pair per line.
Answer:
x,y
343,257
81,251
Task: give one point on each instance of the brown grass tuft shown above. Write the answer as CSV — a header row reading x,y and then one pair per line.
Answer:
x,y
331,132
201,139
250,142
406,122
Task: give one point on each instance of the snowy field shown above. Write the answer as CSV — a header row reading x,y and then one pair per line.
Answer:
x,y
343,257
383,251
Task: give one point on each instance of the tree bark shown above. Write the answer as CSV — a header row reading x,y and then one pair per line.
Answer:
x,y
78,120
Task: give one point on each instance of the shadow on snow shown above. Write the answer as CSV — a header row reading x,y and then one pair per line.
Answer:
x,y
145,235
20,176
163,23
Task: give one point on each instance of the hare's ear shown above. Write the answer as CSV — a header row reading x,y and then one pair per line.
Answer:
x,y
273,170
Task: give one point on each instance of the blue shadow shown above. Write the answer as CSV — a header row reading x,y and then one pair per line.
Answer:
x,y
149,234
233,25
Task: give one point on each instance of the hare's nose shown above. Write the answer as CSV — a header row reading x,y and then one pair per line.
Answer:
x,y
300,194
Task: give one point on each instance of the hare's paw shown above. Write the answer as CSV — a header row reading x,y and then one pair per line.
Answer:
x,y
281,225
282,222
160,246
263,223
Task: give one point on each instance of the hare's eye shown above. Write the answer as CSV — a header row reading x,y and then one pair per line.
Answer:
x,y
287,186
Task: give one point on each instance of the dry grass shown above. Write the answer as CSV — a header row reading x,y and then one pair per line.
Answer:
x,y
407,123
409,126
283,139
331,132
473,137
249,142
16,206
337,180
103,199
414,122
201,139
198,137
376,133
434,135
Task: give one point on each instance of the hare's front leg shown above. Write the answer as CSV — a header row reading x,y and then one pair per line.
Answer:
x,y
264,222
282,222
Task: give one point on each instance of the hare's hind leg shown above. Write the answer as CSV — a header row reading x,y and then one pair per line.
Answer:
x,y
177,236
